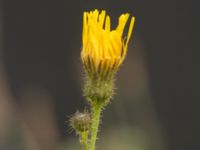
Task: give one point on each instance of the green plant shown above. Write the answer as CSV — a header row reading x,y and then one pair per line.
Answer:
x,y
103,52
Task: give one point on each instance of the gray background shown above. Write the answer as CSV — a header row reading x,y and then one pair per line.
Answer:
x,y
40,48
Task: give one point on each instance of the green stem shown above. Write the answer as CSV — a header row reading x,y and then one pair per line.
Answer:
x,y
84,140
96,114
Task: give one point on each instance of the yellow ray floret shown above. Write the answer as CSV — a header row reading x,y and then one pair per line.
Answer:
x,y
104,49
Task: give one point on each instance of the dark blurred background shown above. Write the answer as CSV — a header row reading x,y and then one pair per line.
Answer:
x,y
157,102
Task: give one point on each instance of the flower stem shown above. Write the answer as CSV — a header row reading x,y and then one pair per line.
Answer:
x,y
84,140
96,115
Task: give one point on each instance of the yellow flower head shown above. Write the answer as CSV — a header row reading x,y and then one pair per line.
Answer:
x,y
104,49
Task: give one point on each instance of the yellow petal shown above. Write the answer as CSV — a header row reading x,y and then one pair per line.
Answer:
x,y
107,27
84,27
122,22
101,18
128,37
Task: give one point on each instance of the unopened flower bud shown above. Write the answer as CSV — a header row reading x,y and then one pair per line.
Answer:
x,y
80,122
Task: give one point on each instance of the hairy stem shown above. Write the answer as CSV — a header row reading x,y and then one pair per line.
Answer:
x,y
96,115
84,140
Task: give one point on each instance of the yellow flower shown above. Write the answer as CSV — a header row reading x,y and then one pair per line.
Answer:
x,y
104,49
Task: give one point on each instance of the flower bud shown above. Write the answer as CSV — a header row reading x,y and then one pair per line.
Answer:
x,y
80,122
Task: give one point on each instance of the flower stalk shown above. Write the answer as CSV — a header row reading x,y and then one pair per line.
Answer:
x,y
96,115
84,140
